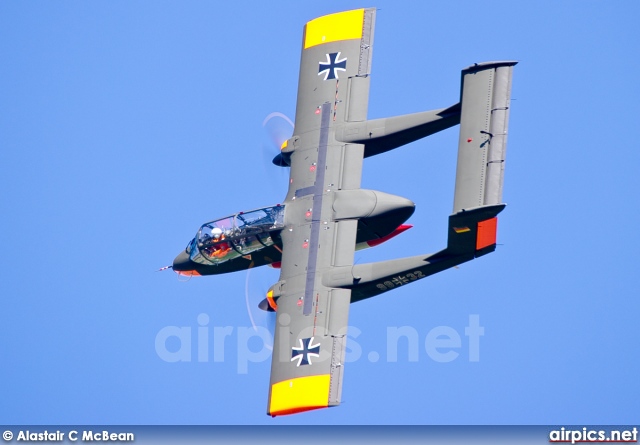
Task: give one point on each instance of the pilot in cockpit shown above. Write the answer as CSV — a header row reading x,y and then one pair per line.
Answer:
x,y
221,249
217,234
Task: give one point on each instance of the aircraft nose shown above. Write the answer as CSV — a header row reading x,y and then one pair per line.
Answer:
x,y
182,262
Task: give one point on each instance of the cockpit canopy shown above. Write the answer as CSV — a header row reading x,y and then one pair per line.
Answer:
x,y
237,235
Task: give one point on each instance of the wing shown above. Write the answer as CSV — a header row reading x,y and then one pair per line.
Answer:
x,y
310,337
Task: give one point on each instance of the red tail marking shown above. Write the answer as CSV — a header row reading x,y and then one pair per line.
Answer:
x,y
486,233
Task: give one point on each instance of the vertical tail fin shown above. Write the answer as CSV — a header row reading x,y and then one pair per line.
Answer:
x,y
485,96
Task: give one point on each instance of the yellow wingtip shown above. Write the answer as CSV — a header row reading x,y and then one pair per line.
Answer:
x,y
345,25
299,394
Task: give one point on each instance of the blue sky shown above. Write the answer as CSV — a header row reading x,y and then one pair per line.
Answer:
x,y
126,125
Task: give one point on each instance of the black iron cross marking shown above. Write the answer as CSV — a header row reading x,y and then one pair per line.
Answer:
x,y
332,66
305,351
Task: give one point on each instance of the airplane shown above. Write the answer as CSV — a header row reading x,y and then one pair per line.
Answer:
x,y
326,216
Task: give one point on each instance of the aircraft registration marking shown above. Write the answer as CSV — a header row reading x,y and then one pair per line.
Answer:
x,y
400,280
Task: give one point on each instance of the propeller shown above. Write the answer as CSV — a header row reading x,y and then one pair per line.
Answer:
x,y
257,283
277,129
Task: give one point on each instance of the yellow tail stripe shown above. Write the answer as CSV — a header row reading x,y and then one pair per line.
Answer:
x,y
334,27
299,394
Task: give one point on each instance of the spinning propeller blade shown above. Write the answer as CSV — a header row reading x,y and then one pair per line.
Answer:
x,y
257,283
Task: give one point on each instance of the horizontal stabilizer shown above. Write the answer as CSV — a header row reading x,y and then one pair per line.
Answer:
x,y
485,97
